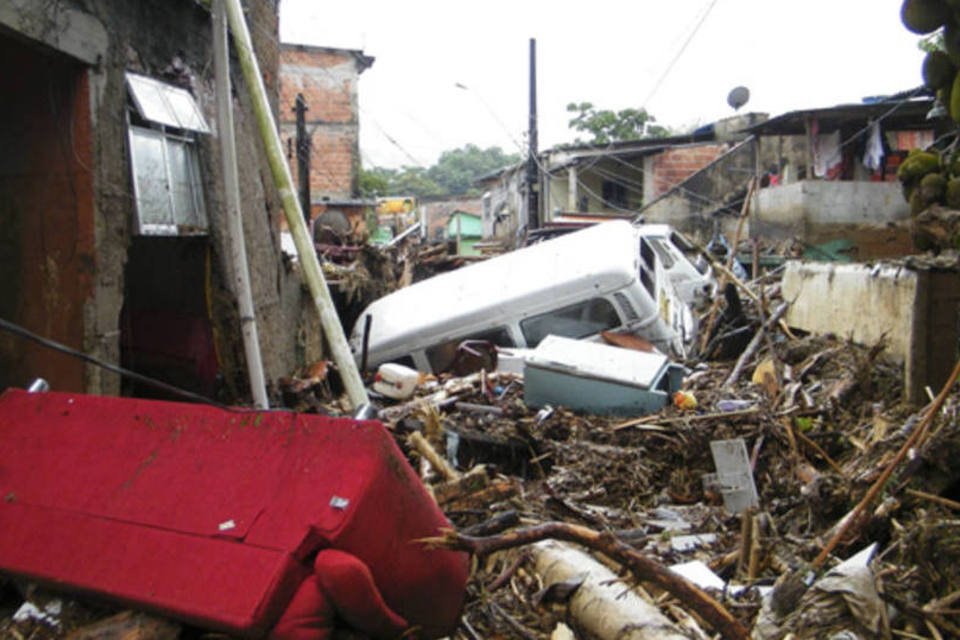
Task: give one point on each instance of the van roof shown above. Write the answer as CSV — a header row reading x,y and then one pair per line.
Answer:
x,y
604,257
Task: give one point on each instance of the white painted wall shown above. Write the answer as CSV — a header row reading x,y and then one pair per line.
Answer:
x,y
853,301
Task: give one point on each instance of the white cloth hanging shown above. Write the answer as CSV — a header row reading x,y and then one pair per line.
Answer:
x,y
826,153
873,152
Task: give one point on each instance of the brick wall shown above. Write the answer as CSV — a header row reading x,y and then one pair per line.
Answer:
x,y
673,166
327,78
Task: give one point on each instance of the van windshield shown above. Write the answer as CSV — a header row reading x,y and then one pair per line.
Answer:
x,y
576,321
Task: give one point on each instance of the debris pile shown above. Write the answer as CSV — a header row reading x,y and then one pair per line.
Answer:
x,y
787,491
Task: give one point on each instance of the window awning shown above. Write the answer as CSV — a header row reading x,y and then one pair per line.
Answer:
x,y
165,104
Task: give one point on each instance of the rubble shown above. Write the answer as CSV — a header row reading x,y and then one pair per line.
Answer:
x,y
840,460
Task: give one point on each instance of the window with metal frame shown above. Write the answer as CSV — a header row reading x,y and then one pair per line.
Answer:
x,y
162,127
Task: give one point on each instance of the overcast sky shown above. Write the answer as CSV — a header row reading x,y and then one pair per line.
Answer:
x,y
679,59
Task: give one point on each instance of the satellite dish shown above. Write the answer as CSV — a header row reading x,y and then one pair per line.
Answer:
x,y
738,97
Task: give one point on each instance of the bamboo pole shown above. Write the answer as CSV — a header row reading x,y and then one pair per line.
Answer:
x,y
231,180
329,321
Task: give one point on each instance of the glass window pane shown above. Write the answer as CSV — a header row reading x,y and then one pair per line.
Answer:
x,y
576,321
181,185
166,104
185,109
150,176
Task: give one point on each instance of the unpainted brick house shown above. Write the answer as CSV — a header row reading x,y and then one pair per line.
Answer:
x,y
327,80
112,224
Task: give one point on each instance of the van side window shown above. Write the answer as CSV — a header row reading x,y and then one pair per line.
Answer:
x,y
441,355
576,321
647,268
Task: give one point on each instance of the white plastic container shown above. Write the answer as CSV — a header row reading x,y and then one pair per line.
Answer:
x,y
396,381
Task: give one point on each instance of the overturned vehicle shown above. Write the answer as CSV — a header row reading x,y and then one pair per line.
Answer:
x,y
613,277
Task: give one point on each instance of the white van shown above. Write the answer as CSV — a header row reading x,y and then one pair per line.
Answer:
x,y
613,276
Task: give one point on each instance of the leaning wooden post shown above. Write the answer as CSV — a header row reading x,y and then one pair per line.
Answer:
x,y
329,321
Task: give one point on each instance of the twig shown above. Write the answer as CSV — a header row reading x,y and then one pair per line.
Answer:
x,y
946,502
519,628
754,345
652,421
508,572
854,517
823,454
606,543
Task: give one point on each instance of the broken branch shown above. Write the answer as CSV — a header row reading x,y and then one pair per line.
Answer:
x,y
754,344
639,565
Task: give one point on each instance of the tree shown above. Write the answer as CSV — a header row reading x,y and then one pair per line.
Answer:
x,y
456,170
606,126
453,174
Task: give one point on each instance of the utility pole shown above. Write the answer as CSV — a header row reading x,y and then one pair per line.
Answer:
x,y
303,156
533,206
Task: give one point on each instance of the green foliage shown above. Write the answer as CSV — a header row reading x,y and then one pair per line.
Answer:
x,y
932,42
453,174
456,170
375,181
605,126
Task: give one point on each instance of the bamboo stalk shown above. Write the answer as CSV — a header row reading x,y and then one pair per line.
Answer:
x,y
312,273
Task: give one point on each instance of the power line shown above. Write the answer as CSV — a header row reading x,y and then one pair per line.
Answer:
x,y
18,330
676,58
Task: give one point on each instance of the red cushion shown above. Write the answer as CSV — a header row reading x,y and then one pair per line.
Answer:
x,y
162,505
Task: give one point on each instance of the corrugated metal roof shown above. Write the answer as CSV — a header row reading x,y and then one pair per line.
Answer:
x,y
896,112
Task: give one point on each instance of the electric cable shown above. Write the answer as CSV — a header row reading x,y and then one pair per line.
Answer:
x,y
18,330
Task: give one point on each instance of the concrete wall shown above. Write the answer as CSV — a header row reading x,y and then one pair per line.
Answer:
x,y
914,311
328,80
787,209
503,206
171,41
873,216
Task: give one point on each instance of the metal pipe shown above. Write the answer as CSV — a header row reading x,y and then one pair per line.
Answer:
x,y
329,321
368,319
231,179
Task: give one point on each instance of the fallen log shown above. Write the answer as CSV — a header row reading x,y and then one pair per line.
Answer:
x,y
640,566
602,606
